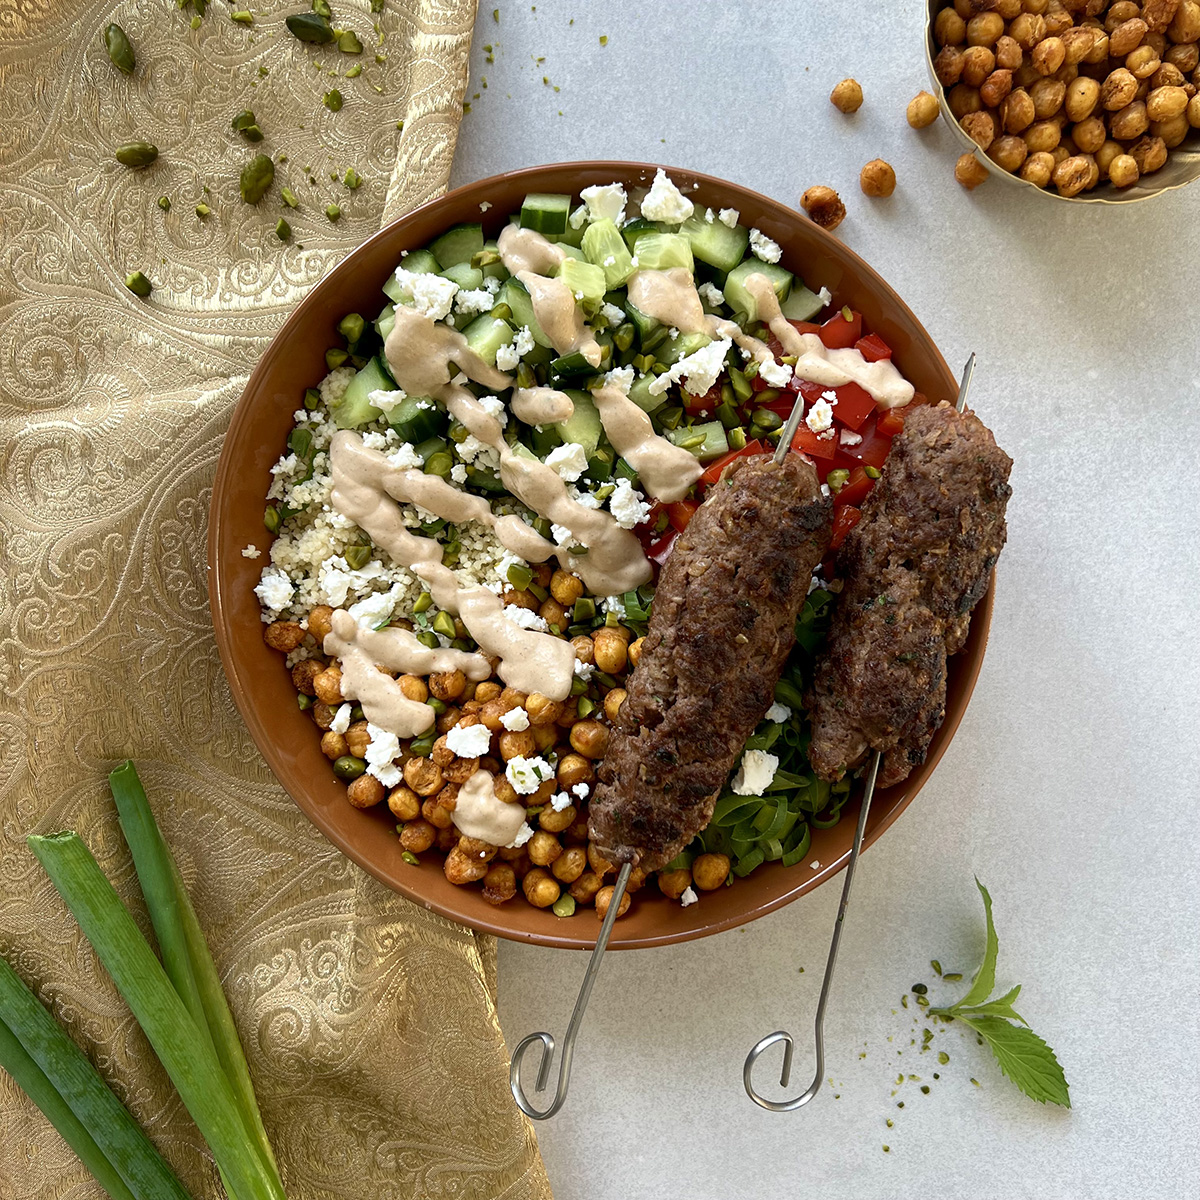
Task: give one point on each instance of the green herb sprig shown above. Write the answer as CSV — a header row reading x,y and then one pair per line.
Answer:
x,y
1022,1055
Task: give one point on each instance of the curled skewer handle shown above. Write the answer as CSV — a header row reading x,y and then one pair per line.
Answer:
x,y
568,1046
783,1036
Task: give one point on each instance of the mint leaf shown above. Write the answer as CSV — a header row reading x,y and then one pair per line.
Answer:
x,y
985,978
1001,1007
1025,1059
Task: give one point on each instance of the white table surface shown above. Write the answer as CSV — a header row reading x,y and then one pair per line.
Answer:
x,y
1069,788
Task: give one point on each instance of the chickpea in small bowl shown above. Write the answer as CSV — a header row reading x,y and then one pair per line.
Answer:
x,y
1092,100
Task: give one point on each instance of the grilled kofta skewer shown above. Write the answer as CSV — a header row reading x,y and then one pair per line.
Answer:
x,y
722,626
914,567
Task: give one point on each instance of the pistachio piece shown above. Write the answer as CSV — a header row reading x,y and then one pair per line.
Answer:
x,y
164,202
348,42
257,176
352,179
138,284
283,231
310,27
333,211
136,154
119,50
333,100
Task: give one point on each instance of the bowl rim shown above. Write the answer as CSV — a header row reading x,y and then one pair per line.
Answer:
x,y
967,667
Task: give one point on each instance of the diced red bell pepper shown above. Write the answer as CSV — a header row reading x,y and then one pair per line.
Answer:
x,y
873,347
681,512
854,404
696,405
844,520
891,422
855,489
872,451
713,471
839,334
805,326
659,551
813,445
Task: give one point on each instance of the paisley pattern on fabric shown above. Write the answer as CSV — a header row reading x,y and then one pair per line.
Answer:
x,y
369,1022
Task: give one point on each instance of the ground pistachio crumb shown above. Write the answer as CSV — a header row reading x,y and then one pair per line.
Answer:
x,y
943,1057
604,39
283,231
890,1123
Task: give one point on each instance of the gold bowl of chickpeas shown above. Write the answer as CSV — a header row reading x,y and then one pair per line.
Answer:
x,y
1093,100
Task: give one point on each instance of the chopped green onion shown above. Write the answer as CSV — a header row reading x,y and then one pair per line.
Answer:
x,y
312,398
837,479
538,592
272,520
335,357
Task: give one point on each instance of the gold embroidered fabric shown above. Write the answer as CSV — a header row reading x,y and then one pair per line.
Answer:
x,y
369,1023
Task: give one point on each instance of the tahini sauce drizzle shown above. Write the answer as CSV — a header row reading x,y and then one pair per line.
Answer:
x,y
666,470
420,351
541,405
814,362
480,813
668,296
363,651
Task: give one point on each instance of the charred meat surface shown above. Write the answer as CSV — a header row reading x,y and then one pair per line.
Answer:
x,y
721,628
914,567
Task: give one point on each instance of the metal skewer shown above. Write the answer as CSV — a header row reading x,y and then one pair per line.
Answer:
x,y
781,1035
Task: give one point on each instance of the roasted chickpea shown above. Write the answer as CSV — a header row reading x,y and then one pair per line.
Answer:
x,y
964,99
319,622
570,864
1038,168
980,127
545,737
423,776
328,685
635,651
1119,12
1008,152
1006,8
365,792
1082,97
491,712
543,848
922,110
878,178
1142,62
589,738
577,834
1017,111
1077,44
554,614
709,871
1042,135
585,650
570,713
449,719
322,714
1167,75
1186,57
824,206
499,884
1105,156
1047,96
489,690
459,770
1130,122
414,687
847,96
447,685
585,887
1089,135
1098,54
1027,30
596,861
565,587
611,650
613,702
517,743
995,87
1118,89
358,738
541,888
333,745
1034,6
1071,175
417,836
436,814
1166,102
441,752
1123,171
556,821
284,636
948,66
1058,19
1126,37
1193,112
978,63
1150,153
1048,55
604,899
969,171
949,28
521,598
461,868
985,29
1009,55
1061,153
404,803
505,791
673,884
573,769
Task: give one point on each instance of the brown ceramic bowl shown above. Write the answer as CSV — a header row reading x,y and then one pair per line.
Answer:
x,y
263,689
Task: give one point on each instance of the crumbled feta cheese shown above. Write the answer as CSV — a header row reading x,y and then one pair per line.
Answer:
x,y
492,284
528,774
820,416
778,712
494,407
377,608
580,790
382,749
710,293
688,897
472,742
612,314
584,670
526,618
432,295
763,247
578,217
729,216
754,773
569,460
849,438
458,473
484,205
826,491
516,719
385,401
709,215
614,604
825,295
275,590
814,583
620,377
341,719
604,200
665,202
524,340
561,534
336,578
472,450
251,552
559,801
478,300
700,369
627,506
507,358
405,458
815,864
523,835
776,374
584,499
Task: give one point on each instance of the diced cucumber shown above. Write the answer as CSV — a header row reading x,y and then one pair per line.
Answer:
x,y
602,241
570,238
545,212
543,439
636,228
713,241
354,409
715,442
644,324
600,466
583,426
659,251
419,262
418,419
385,321
673,349
486,481
801,304
639,393
740,300
570,366
466,276
520,450
457,245
485,335
429,447
516,295
494,270
586,281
